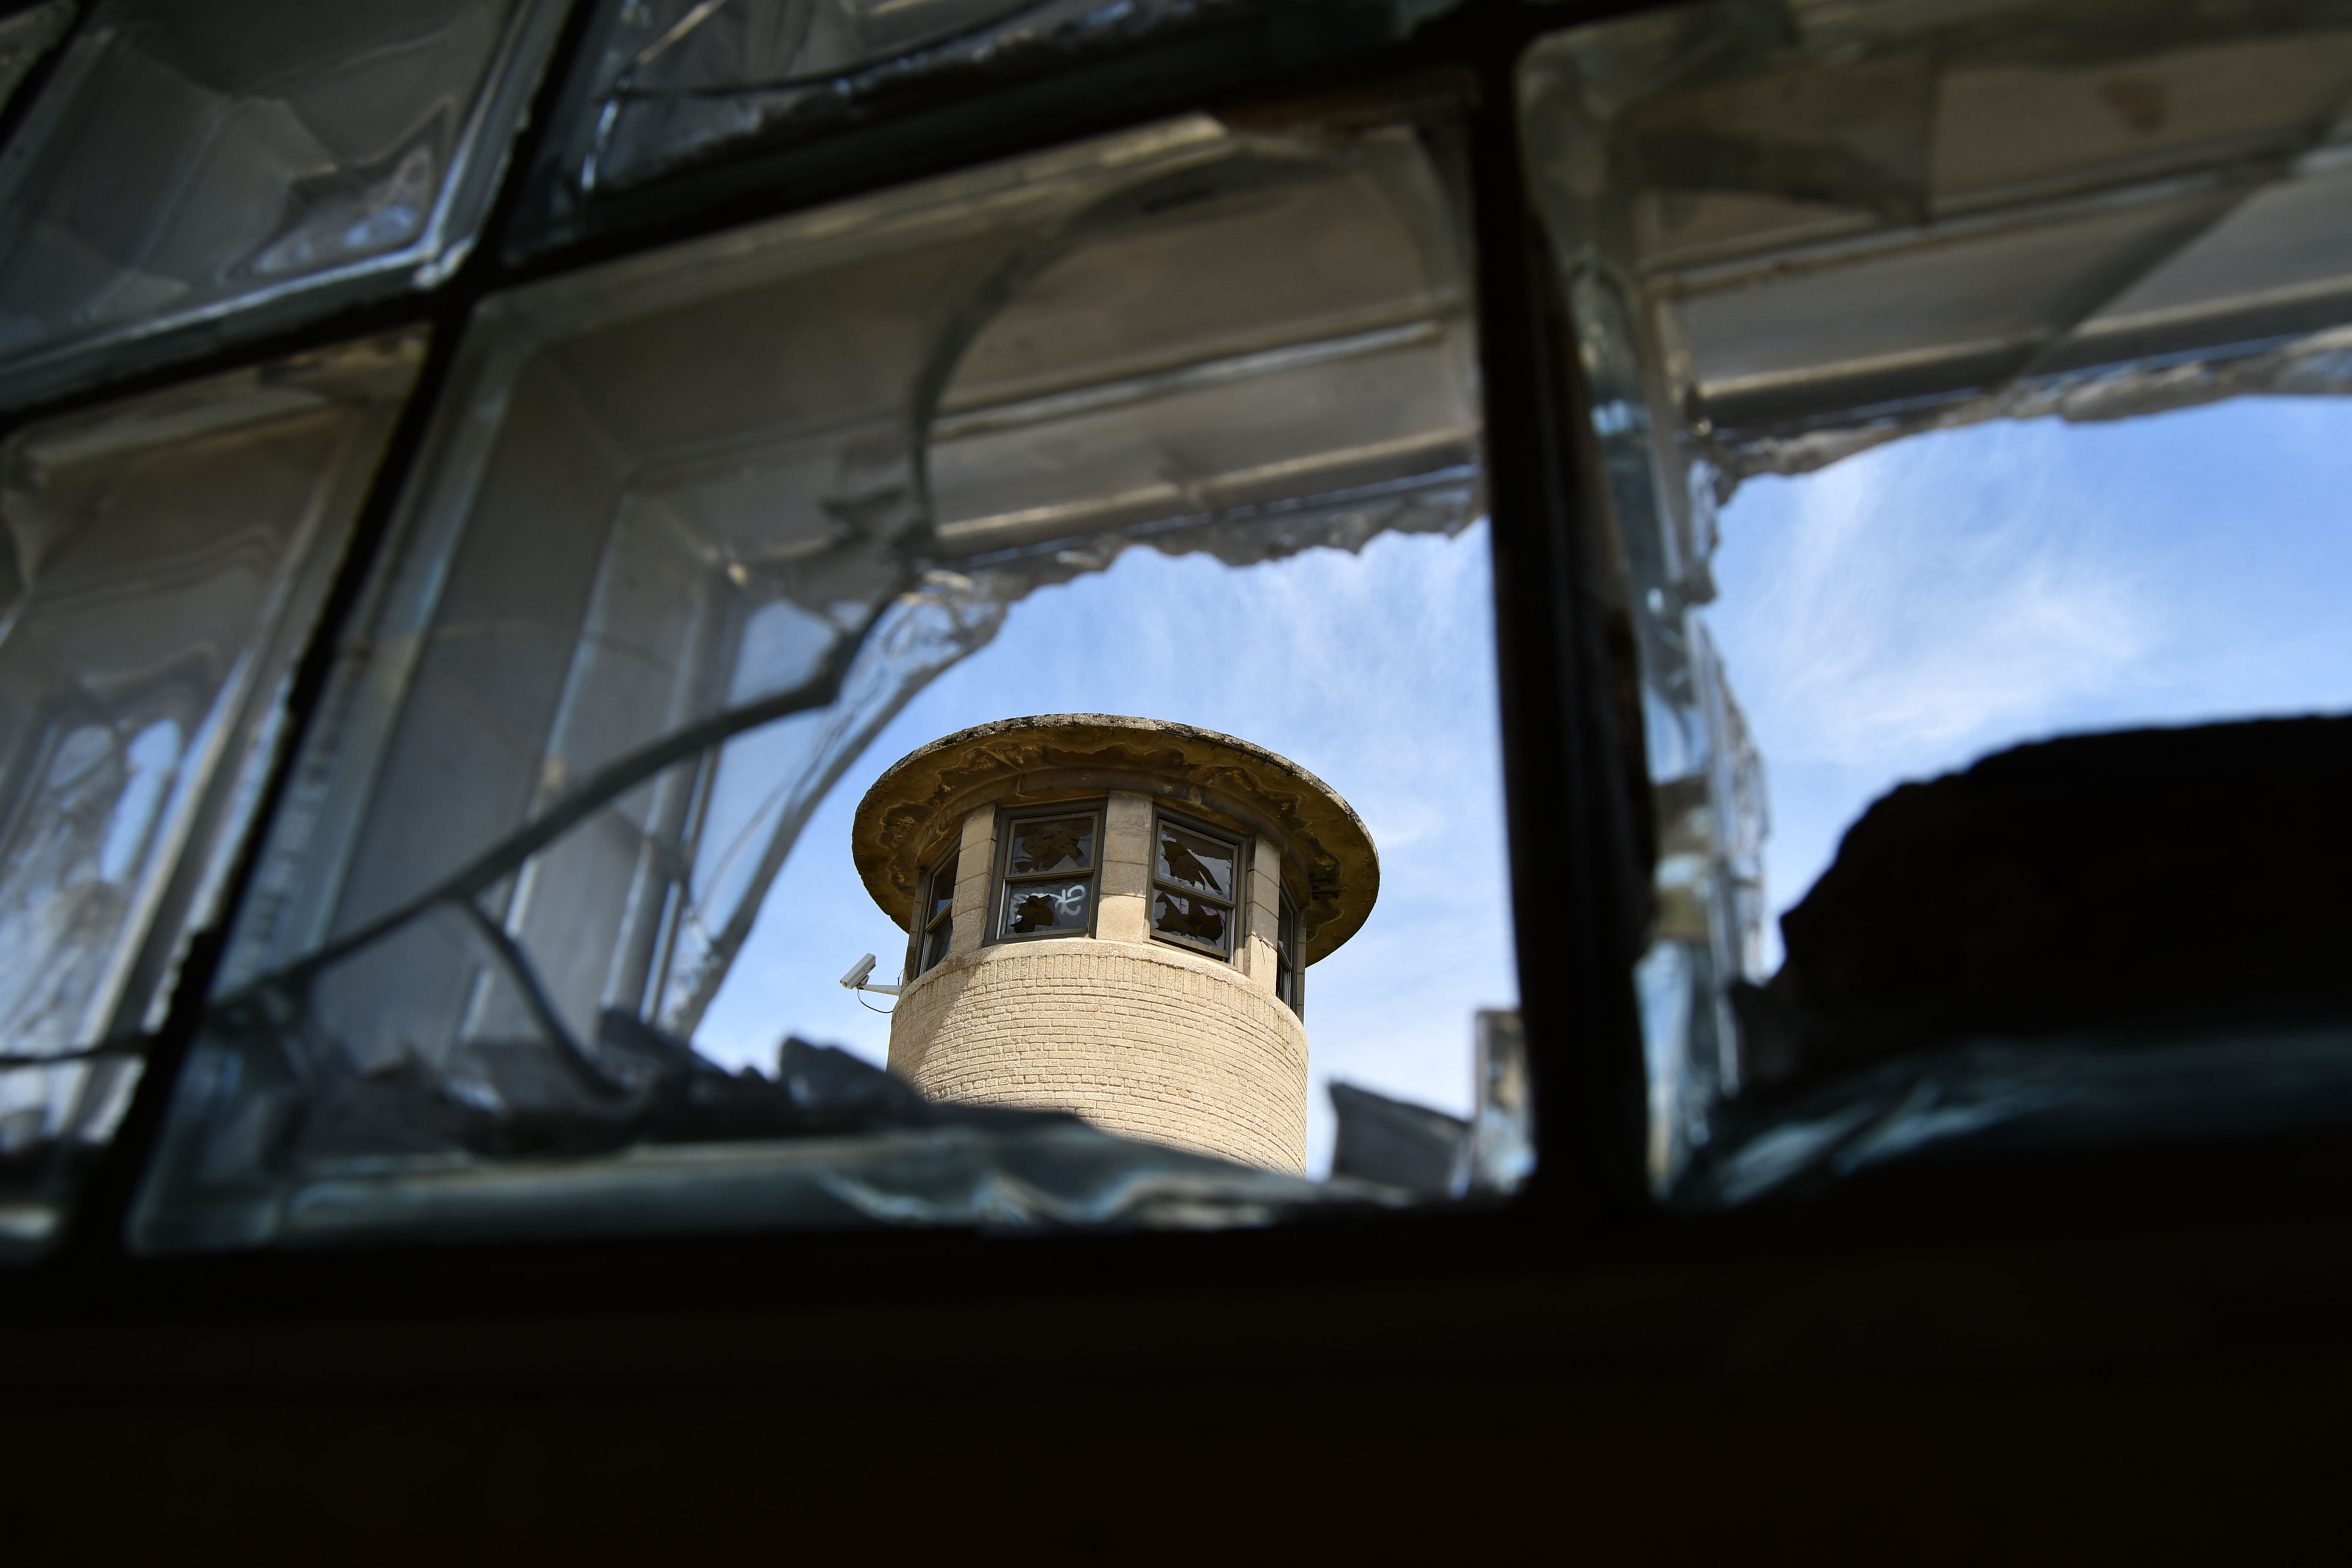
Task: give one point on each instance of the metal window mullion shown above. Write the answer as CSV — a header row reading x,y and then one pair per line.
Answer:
x,y
1194,893
1008,826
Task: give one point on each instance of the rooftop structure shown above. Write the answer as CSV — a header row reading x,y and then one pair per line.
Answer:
x,y
1113,916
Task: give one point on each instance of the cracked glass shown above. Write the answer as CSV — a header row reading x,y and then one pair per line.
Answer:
x,y
1052,844
1193,888
938,931
1964,387
1040,895
666,88
1053,907
196,171
165,560
524,951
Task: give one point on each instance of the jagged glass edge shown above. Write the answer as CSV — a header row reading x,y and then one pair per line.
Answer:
x,y
539,227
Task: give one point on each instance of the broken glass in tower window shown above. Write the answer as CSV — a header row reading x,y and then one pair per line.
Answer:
x,y
1037,895
1194,921
1286,966
937,934
196,170
1965,383
1048,908
165,560
695,540
1052,843
1192,888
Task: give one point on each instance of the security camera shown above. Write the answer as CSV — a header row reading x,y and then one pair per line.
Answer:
x,y
855,979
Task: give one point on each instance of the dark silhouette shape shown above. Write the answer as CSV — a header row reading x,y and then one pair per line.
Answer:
x,y
2142,873
1185,866
1035,913
1201,923
1048,845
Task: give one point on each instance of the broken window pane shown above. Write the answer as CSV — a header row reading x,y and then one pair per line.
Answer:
x,y
214,167
1289,985
702,541
1034,901
938,919
666,86
166,557
1192,919
1052,843
1196,860
1042,907
1900,328
1192,889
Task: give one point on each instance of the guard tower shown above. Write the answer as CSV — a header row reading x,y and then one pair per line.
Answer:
x,y
1114,917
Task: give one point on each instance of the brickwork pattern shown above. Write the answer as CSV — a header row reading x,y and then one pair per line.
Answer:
x,y
1138,1038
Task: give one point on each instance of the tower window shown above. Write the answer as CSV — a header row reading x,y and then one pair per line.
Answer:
x,y
1046,887
1289,974
936,915
1193,877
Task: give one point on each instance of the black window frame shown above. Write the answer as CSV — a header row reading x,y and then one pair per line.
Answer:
x,y
1578,838
1289,971
1163,884
1003,879
932,934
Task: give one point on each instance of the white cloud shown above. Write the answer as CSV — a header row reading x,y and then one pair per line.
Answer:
x,y
1910,603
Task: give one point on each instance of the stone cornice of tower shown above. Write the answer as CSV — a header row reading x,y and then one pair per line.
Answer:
x,y
912,812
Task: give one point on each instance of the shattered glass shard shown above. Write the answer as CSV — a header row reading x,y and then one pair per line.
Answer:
x,y
648,1136
379,215
1193,918
1031,907
1197,861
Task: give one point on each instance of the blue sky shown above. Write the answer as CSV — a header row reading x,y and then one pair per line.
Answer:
x,y
1374,671
1891,617
1897,614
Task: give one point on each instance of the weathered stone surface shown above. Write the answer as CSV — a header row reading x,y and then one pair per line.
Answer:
x,y
906,817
